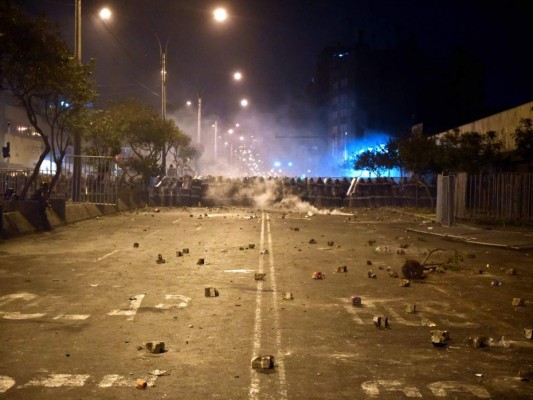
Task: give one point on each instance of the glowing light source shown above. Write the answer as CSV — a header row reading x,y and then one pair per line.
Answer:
x,y
220,14
237,76
105,13
244,103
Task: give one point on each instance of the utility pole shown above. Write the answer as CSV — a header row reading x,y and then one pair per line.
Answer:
x,y
76,169
163,55
199,127
215,125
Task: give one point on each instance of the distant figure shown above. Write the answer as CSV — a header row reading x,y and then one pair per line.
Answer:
x,y
10,194
42,195
172,171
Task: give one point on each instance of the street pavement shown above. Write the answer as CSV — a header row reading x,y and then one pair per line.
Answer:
x,y
80,305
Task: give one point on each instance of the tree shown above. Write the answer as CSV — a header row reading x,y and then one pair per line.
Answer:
x,y
37,67
419,154
523,136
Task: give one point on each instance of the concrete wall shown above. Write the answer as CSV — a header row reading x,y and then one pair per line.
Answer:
x,y
504,124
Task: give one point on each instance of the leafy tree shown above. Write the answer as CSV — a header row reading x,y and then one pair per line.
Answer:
x,y
37,67
100,134
419,154
523,136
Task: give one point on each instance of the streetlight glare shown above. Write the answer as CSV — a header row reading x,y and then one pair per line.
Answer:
x,y
105,13
189,103
244,103
237,76
220,14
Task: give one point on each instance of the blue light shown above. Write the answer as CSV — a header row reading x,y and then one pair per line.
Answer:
x,y
277,164
290,164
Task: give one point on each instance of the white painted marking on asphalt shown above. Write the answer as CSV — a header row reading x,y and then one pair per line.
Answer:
x,y
6,383
372,388
135,303
440,389
176,221
18,316
72,316
256,345
282,391
179,301
59,380
154,232
239,271
107,255
8,298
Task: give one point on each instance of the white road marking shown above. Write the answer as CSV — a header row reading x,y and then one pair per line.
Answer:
x,y
8,298
176,221
372,388
179,301
256,345
440,389
107,255
282,393
6,383
239,271
18,316
135,303
72,316
59,380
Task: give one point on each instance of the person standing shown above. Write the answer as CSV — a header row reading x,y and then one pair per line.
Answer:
x,y
42,195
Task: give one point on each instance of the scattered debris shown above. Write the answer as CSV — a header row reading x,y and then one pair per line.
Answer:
x,y
477,342
331,243
94,284
312,241
404,246
412,269
410,309
510,271
496,282
371,242
186,251
263,362
318,275
179,254
439,338
382,250
157,210
211,292
371,274
518,302
160,259
159,372
400,252
524,375
405,283
368,262
295,229
251,246
135,245
259,276
288,296
528,333
344,268
155,347
201,261
141,384
381,322
356,301
393,274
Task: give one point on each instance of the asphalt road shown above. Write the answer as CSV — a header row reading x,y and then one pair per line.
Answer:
x,y
79,304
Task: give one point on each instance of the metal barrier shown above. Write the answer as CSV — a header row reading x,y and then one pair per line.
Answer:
x,y
12,181
99,180
502,196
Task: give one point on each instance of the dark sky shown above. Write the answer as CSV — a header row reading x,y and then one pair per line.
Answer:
x,y
275,43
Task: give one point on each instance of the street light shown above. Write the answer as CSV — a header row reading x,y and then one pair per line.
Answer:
x,y
237,76
105,13
244,103
163,56
215,125
220,14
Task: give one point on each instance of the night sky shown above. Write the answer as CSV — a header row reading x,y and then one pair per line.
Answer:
x,y
275,43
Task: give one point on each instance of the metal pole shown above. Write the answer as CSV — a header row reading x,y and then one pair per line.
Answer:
x,y
199,128
216,140
163,56
76,169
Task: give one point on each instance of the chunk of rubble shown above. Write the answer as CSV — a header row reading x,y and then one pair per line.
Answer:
x,y
259,276
155,347
135,245
331,243
518,302
410,308
371,274
400,252
318,275
380,321
201,261
528,333
251,246
405,283
179,254
264,251
476,342
524,375
510,271
342,269
393,274
160,259
439,338
186,250
368,262
287,296
211,292
312,241
263,362
356,301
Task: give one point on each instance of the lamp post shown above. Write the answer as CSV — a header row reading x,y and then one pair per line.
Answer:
x,y
76,145
215,125
163,56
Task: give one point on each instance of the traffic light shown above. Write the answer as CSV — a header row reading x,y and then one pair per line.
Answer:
x,y
6,151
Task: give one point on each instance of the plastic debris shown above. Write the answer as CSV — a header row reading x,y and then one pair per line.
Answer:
x,y
141,384
528,333
518,302
159,372
371,274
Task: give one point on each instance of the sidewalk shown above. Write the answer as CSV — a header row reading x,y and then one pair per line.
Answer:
x,y
478,236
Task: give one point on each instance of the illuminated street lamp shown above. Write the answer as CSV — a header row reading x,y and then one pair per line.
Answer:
x,y
215,125
237,76
244,103
105,14
220,14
